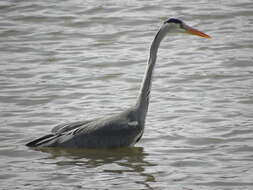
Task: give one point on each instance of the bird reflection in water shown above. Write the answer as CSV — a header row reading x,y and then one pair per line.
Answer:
x,y
132,159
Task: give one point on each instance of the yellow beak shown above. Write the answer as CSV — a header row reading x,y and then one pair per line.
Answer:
x,y
194,31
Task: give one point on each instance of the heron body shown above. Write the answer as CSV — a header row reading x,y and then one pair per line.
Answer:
x,y
119,130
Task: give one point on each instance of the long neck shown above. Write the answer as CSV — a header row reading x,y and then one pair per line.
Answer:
x,y
143,97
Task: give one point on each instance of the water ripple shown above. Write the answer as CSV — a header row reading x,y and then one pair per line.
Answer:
x,y
64,61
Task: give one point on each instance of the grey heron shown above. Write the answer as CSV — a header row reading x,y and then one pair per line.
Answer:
x,y
122,129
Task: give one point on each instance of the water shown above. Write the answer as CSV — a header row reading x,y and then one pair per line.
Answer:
x,y
65,61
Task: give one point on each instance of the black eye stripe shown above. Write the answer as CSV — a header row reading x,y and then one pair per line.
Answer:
x,y
174,20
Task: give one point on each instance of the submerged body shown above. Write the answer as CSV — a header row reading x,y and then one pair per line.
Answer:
x,y
124,128
120,130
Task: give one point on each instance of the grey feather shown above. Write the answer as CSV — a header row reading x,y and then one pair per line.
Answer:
x,y
68,126
115,131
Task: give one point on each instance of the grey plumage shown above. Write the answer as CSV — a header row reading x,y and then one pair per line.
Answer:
x,y
125,129
119,130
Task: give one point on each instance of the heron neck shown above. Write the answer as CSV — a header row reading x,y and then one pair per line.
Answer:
x,y
144,93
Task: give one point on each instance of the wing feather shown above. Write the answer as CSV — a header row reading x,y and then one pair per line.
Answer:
x,y
68,126
114,131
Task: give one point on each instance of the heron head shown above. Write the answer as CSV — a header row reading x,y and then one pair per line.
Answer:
x,y
174,25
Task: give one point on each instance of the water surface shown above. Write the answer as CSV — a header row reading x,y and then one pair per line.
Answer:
x,y
65,61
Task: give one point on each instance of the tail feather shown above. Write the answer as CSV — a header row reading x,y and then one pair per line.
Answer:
x,y
40,141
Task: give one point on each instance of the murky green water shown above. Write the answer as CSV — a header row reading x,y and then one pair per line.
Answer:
x,y
64,61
